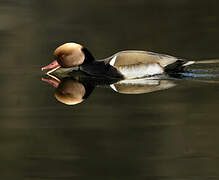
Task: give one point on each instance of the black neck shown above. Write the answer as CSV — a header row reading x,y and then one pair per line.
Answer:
x,y
88,56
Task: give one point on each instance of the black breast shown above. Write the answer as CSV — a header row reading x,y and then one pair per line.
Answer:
x,y
99,68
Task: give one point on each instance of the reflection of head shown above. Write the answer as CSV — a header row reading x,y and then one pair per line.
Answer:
x,y
70,92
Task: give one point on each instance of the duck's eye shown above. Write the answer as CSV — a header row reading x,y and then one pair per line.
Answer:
x,y
62,57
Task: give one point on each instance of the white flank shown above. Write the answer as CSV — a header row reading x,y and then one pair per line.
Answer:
x,y
142,70
112,61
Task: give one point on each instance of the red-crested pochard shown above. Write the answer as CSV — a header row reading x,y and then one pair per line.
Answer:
x,y
129,64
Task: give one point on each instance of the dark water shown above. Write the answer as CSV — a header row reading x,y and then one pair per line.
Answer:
x,y
170,134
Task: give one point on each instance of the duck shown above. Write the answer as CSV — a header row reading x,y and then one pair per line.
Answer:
x,y
129,64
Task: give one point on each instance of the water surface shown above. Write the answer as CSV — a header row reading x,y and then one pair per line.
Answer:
x,y
168,134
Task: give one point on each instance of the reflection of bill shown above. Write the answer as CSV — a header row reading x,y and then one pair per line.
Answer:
x,y
74,90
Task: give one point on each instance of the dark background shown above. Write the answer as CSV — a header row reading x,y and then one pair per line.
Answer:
x,y
171,134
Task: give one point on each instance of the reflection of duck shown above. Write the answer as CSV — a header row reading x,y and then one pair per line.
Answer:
x,y
77,87
122,65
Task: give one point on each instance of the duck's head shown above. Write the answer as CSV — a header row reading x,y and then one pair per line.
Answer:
x,y
69,55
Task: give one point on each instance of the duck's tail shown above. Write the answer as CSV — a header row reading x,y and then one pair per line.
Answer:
x,y
189,63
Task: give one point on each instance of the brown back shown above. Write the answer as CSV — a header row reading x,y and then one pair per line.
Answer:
x,y
126,58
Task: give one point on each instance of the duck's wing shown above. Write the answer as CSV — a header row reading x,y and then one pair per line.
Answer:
x,y
129,58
